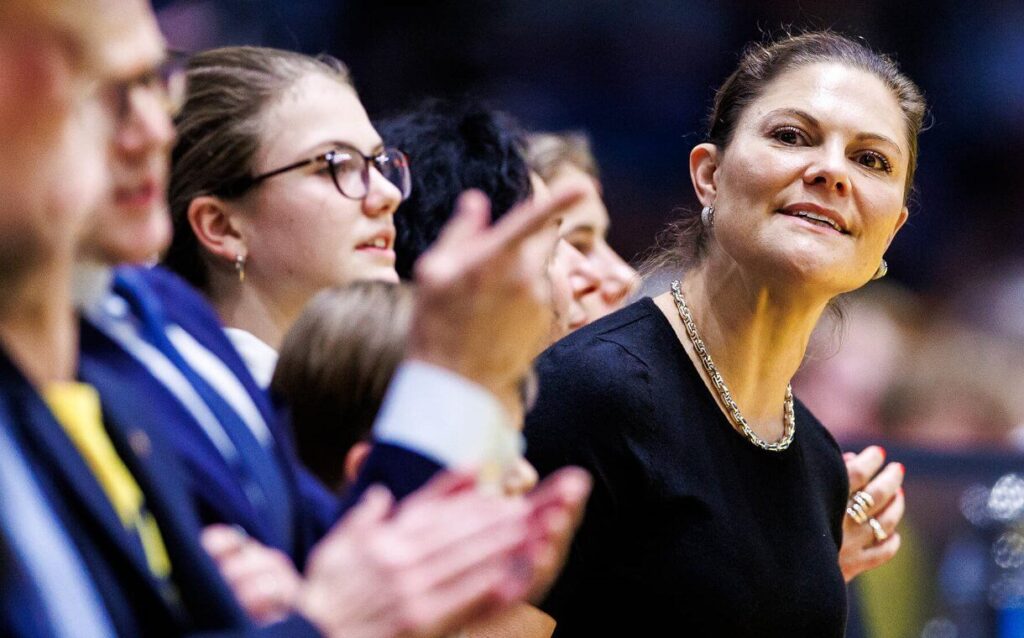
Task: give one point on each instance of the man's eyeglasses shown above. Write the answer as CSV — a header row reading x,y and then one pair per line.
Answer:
x,y
349,169
164,82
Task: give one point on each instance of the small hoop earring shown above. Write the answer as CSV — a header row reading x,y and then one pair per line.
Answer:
x,y
883,268
707,217
240,267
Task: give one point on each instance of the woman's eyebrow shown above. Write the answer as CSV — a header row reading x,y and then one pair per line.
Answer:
x,y
797,113
878,137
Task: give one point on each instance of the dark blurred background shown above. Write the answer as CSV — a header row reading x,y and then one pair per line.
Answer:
x,y
931,362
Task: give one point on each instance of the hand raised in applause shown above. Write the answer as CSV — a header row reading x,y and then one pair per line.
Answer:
x,y
483,305
448,555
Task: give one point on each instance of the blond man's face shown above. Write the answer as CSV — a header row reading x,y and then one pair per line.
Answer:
x,y
53,159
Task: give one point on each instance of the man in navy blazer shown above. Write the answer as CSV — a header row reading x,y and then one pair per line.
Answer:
x,y
98,88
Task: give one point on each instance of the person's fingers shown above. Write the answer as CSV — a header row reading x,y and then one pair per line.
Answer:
x,y
457,519
477,595
884,487
472,214
221,541
266,597
256,561
373,507
446,483
455,251
863,466
558,509
568,485
526,219
559,503
567,489
454,561
892,514
879,553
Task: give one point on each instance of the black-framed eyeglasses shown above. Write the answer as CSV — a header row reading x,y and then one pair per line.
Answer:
x,y
349,169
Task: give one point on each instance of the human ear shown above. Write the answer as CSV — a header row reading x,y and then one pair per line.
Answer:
x,y
904,214
703,165
216,227
354,460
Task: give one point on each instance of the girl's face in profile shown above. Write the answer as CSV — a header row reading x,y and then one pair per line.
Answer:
x,y
301,233
810,190
569,274
585,228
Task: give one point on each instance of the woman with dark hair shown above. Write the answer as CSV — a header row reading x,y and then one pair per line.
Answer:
x,y
455,145
720,503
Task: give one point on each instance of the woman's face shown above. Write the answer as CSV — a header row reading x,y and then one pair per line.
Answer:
x,y
810,191
585,228
300,234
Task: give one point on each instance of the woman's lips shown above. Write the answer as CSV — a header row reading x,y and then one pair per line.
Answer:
x,y
816,216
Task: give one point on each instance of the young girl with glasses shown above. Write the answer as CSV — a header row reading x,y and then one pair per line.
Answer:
x,y
280,188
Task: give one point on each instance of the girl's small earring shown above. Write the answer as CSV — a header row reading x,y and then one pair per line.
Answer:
x,y
240,267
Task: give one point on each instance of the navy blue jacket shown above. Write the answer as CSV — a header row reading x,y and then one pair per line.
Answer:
x,y
133,396
196,600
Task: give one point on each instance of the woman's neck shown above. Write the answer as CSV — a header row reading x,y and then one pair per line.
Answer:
x,y
246,307
38,325
756,334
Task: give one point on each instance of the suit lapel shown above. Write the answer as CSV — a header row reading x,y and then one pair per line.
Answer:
x,y
141,406
63,461
158,471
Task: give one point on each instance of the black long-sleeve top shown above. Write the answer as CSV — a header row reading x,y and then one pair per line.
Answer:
x,y
691,530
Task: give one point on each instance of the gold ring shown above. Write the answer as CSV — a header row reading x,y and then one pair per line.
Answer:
x,y
865,499
855,511
876,529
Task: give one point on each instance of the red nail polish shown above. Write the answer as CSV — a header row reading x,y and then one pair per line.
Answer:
x,y
883,451
903,470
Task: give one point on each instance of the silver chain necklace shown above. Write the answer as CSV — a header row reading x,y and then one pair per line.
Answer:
x,y
733,410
